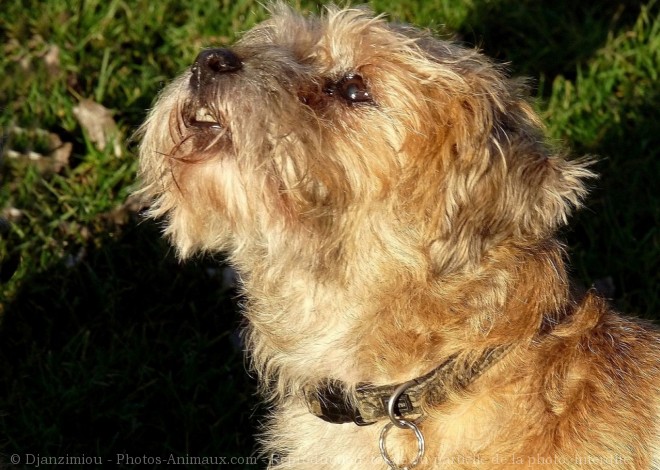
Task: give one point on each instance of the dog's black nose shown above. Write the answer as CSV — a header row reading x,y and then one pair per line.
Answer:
x,y
211,62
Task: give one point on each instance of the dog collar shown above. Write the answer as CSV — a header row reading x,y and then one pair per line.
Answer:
x,y
369,403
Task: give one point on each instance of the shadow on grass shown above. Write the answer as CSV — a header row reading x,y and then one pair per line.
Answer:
x,y
545,38
618,236
127,352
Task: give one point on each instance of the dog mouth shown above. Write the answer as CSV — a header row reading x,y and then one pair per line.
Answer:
x,y
206,126
202,117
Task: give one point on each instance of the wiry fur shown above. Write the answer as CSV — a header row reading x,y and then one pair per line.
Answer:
x,y
374,240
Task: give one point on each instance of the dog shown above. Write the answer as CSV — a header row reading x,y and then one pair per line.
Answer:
x,y
390,204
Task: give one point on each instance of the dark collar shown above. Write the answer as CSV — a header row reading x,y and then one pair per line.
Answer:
x,y
369,402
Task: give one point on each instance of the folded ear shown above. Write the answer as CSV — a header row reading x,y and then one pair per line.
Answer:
x,y
500,179
541,190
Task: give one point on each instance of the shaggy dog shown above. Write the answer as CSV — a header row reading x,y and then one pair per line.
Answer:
x,y
391,206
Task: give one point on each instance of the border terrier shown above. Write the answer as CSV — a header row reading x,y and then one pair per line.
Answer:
x,y
391,206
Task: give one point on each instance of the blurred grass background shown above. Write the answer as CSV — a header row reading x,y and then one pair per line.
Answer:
x,y
108,345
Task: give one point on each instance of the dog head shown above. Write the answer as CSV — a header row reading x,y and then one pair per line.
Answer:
x,y
343,137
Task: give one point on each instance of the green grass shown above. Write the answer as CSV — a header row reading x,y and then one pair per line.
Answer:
x,y
109,346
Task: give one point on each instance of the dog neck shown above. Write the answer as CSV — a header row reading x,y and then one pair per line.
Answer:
x,y
302,332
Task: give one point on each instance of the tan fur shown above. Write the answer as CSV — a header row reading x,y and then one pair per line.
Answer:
x,y
374,240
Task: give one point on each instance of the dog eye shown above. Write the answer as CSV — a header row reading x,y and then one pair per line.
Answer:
x,y
353,89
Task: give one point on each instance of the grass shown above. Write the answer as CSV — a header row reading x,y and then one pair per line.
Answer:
x,y
108,345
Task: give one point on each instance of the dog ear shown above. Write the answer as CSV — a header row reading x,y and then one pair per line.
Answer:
x,y
499,178
529,187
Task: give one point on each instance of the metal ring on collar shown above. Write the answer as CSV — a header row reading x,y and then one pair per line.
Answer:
x,y
398,421
383,448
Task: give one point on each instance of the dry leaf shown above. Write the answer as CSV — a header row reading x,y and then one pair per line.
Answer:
x,y
51,157
52,60
98,123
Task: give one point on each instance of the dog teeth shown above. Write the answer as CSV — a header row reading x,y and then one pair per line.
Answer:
x,y
204,117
